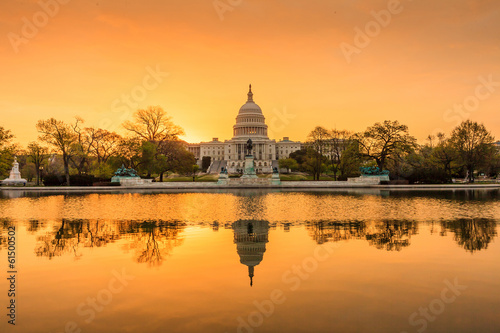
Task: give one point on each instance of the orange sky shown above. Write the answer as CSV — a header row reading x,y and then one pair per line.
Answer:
x,y
426,58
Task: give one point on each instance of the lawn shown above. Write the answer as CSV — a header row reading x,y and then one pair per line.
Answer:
x,y
204,178
292,177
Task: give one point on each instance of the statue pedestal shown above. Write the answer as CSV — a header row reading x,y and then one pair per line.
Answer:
x,y
369,179
249,171
131,181
275,179
119,179
223,178
249,177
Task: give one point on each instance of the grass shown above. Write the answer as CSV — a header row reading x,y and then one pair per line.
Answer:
x,y
292,177
204,178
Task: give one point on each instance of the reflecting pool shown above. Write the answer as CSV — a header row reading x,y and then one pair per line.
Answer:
x,y
252,261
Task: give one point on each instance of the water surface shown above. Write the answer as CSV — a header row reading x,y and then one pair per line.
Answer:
x,y
254,261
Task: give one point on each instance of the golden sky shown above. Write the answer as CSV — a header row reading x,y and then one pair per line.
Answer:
x,y
310,62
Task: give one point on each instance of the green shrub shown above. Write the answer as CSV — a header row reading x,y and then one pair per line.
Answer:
x,y
53,180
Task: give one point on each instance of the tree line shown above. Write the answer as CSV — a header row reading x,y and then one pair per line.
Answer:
x,y
468,151
66,151
152,147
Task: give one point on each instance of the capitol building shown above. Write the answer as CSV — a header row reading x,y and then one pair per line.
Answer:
x,y
230,154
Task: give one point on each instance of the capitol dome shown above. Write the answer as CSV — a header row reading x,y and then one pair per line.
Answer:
x,y
250,106
250,121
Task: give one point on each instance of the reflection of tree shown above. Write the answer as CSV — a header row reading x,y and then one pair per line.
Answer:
x,y
389,235
34,226
4,232
153,240
392,235
323,232
472,235
71,235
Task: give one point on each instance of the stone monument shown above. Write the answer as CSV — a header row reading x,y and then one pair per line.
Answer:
x,y
223,177
275,179
370,175
249,171
15,175
129,177
249,177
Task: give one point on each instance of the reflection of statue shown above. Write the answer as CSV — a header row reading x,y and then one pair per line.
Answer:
x,y
251,237
249,146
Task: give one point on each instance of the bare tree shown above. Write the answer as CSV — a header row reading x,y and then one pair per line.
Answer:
x,y
153,124
37,155
82,148
60,136
339,141
382,141
129,152
318,140
104,144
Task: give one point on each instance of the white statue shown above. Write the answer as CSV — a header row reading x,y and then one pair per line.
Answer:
x,y
15,175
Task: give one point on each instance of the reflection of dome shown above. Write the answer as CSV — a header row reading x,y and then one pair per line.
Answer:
x,y
251,238
250,121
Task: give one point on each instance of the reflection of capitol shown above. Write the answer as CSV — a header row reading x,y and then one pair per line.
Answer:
x,y
251,237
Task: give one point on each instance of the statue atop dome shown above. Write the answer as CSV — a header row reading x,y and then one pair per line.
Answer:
x,y
250,94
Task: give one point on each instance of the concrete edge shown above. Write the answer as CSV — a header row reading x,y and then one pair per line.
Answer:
x,y
214,186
